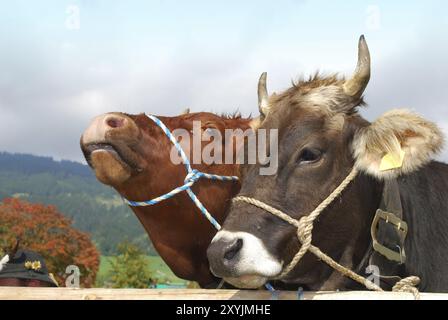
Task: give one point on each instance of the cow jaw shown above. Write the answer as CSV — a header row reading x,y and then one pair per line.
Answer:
x,y
247,281
109,169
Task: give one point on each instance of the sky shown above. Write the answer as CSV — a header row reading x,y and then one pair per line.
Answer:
x,y
64,62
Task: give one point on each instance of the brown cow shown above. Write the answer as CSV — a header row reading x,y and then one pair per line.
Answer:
x,y
323,141
132,154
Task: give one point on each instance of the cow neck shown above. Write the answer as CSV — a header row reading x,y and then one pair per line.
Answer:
x,y
184,256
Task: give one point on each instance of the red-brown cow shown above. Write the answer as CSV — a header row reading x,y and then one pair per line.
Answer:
x,y
132,154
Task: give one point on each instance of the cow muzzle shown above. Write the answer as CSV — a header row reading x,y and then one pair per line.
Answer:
x,y
241,259
110,145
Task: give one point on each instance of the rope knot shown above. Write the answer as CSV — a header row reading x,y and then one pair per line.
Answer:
x,y
408,284
193,176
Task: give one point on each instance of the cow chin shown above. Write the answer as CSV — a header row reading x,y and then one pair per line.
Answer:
x,y
109,168
247,281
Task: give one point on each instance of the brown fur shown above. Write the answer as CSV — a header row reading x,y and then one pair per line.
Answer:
x,y
319,94
317,81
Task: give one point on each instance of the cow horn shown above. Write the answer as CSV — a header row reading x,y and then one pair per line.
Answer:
x,y
186,111
355,86
263,96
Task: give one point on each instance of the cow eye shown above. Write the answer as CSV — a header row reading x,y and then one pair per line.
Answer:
x,y
309,156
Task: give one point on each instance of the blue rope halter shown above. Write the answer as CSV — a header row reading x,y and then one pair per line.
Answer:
x,y
191,178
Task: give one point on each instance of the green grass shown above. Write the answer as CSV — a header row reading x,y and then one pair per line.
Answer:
x,y
158,269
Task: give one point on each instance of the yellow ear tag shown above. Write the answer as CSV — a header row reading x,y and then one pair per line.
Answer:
x,y
392,161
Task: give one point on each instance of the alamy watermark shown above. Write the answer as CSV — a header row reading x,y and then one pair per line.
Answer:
x,y
374,274
373,19
237,146
73,276
73,19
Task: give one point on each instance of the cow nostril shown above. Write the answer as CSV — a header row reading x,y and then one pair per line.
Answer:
x,y
233,249
115,122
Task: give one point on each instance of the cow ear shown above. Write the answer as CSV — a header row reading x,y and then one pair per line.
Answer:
x,y
399,142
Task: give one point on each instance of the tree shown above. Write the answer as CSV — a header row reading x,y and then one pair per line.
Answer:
x,y
129,269
45,230
74,190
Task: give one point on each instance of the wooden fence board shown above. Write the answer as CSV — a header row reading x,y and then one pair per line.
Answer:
x,y
16,293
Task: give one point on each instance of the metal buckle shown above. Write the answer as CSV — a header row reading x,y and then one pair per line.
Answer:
x,y
402,230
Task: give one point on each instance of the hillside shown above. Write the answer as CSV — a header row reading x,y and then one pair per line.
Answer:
x,y
73,188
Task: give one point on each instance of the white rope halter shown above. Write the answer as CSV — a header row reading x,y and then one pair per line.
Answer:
x,y
304,233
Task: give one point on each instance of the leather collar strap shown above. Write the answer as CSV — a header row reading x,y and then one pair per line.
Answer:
x,y
388,229
388,232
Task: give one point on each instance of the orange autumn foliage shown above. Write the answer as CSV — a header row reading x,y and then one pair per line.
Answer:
x,y
45,230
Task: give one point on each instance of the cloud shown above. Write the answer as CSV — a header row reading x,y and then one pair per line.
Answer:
x,y
51,85
47,105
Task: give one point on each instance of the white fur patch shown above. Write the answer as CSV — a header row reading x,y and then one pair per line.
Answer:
x,y
327,98
99,128
3,262
418,138
254,258
96,130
